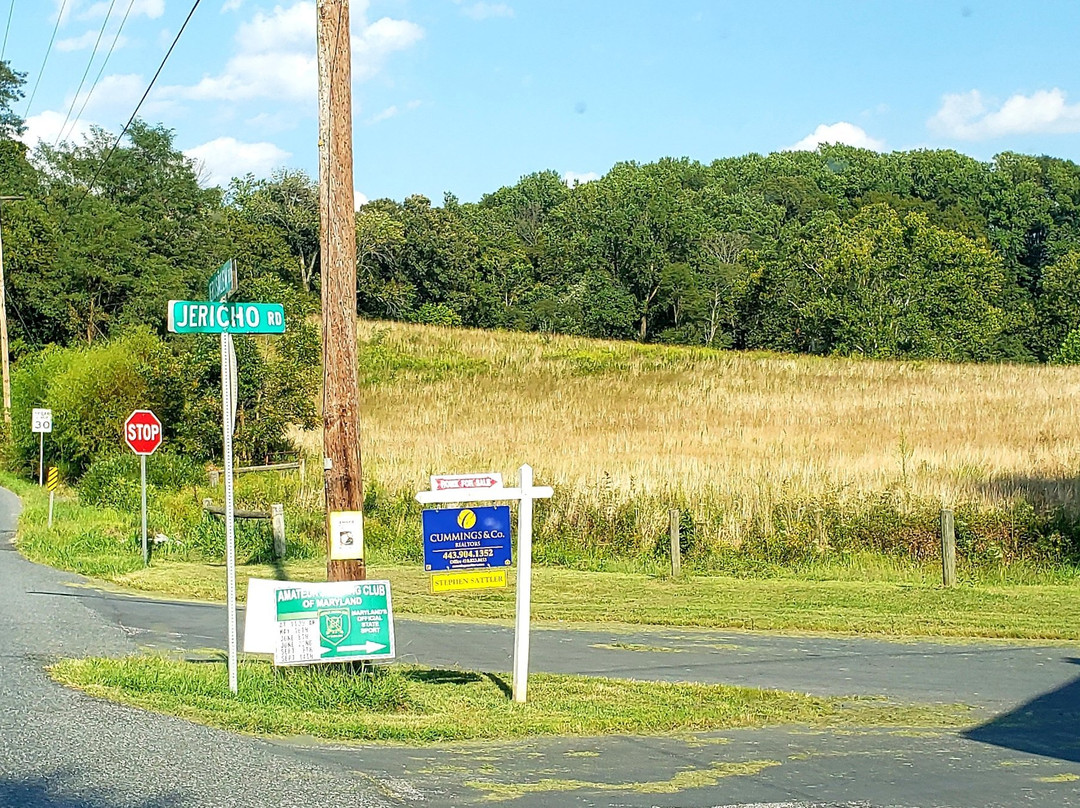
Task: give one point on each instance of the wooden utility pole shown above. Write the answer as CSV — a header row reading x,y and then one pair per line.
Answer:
x,y
5,361
343,477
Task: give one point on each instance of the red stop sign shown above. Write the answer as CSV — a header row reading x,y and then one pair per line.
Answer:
x,y
142,431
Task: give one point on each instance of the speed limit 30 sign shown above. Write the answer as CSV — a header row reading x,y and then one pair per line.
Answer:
x,y
41,420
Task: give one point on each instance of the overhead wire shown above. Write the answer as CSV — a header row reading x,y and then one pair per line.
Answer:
x,y
7,29
89,64
101,71
131,120
45,61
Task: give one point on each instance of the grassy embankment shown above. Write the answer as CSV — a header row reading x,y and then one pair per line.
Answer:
x,y
417,705
811,487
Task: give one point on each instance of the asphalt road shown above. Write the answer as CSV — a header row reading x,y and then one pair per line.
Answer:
x,y
60,748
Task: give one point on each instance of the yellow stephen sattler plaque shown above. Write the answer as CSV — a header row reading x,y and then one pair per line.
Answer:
x,y
492,578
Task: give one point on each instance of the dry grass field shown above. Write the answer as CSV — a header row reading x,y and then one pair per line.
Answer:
x,y
735,436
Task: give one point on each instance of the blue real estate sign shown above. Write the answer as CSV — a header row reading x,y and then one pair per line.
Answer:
x,y
466,538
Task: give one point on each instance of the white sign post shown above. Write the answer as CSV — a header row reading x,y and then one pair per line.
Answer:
x,y
525,494
227,424
218,317
41,422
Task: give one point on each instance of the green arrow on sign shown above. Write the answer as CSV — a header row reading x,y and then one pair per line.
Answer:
x,y
203,317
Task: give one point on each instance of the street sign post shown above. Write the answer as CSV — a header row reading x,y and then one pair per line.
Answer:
x,y
41,422
204,317
340,621
143,435
525,494
216,316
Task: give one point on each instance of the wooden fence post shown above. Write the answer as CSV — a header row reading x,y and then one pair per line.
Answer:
x,y
676,550
277,519
948,548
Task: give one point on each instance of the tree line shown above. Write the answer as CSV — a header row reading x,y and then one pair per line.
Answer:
x,y
920,254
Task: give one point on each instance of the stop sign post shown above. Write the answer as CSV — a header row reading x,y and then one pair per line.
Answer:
x,y
143,434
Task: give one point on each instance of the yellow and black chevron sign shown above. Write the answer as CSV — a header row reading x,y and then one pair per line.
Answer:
x,y
53,481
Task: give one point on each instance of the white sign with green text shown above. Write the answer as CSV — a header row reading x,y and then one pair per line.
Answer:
x,y
339,621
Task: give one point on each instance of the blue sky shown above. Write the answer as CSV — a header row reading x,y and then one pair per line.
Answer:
x,y
468,95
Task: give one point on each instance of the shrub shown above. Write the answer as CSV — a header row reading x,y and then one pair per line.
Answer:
x,y
91,391
113,481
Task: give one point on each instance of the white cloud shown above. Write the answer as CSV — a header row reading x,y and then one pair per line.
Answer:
x,y
225,157
487,11
64,9
840,132
231,5
572,178
86,40
378,40
392,111
359,199
968,116
268,122
118,92
275,55
386,114
45,128
151,9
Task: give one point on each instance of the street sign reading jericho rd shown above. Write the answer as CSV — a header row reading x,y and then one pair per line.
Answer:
x,y
223,282
334,622
466,538
202,317
142,432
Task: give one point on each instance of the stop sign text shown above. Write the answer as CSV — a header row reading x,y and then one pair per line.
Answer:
x,y
142,432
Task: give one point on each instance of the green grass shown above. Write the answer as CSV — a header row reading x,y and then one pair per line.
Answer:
x,y
864,595
415,705
1030,612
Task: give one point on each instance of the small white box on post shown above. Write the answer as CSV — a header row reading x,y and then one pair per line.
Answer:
x,y
448,489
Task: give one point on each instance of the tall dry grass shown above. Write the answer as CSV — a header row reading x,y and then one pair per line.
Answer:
x,y
730,433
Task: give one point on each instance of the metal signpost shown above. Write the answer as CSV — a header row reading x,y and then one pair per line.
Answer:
x,y
216,316
143,435
524,494
342,621
41,422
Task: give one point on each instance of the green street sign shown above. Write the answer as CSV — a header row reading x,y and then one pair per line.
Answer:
x,y
223,282
202,317
334,622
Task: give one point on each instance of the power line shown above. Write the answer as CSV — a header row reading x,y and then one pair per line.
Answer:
x,y
100,72
149,87
48,50
7,28
89,64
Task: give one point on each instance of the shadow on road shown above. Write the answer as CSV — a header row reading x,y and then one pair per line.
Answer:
x,y
56,791
1048,725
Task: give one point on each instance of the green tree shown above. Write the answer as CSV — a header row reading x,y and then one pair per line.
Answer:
x,y
288,202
